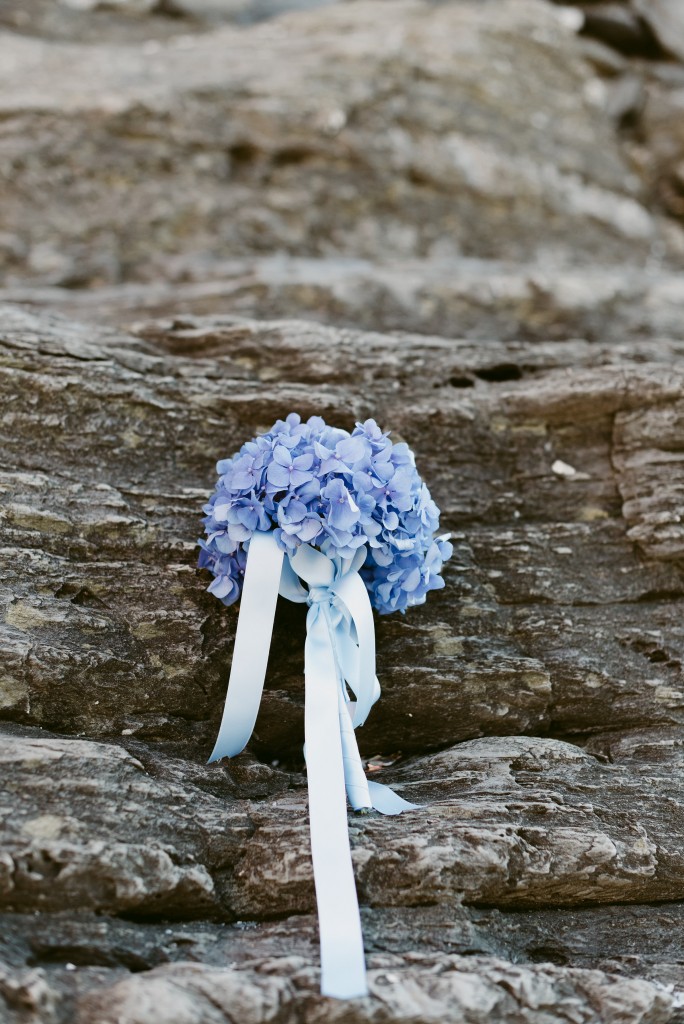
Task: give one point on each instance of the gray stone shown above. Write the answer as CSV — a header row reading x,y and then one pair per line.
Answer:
x,y
460,218
516,822
638,941
83,825
506,821
429,990
125,6
620,27
91,551
510,820
617,312
317,134
666,18
102,599
661,159
147,22
426,988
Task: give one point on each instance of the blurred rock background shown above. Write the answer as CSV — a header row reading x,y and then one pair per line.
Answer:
x,y
467,219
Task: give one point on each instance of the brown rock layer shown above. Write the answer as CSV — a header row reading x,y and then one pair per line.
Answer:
x,y
465,220
360,131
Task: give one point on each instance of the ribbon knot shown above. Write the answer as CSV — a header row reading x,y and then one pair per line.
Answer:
x,y
320,595
339,656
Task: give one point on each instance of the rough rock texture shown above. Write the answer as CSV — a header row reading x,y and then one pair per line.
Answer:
x,y
511,821
430,989
483,300
145,861
446,989
147,647
359,130
666,18
516,821
466,220
147,21
562,615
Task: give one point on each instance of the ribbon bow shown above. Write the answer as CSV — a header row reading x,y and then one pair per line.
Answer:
x,y
339,652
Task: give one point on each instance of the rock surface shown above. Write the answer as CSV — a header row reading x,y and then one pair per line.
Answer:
x,y
512,821
615,307
563,511
666,18
466,220
359,130
103,601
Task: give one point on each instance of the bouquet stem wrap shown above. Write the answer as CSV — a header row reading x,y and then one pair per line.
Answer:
x,y
339,653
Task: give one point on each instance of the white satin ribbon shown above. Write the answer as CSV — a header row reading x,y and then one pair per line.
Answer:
x,y
250,653
339,652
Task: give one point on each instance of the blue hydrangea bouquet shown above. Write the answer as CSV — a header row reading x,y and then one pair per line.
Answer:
x,y
315,484
342,522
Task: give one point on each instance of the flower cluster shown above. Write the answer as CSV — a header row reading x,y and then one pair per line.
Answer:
x,y
319,485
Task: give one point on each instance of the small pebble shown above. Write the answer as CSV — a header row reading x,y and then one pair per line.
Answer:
x,y
561,468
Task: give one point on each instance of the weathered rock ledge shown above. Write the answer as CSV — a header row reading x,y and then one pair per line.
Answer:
x,y
109,443
253,210
162,882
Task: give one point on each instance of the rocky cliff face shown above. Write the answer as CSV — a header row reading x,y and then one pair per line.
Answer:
x,y
462,219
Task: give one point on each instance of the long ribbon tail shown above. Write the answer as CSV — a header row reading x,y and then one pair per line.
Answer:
x,y
354,776
252,644
352,592
343,970
387,801
348,655
333,654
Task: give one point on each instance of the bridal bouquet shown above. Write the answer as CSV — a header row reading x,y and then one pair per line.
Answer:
x,y
342,522
339,492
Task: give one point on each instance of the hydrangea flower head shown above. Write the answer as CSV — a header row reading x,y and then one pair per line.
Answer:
x,y
337,491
